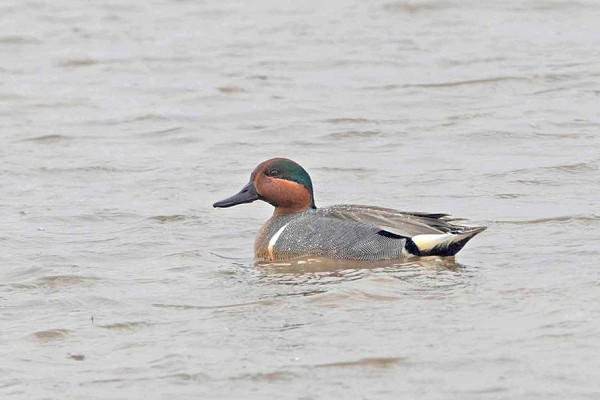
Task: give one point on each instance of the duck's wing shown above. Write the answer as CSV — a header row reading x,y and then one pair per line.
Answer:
x,y
406,224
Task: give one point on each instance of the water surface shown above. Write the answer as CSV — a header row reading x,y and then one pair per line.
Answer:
x,y
122,122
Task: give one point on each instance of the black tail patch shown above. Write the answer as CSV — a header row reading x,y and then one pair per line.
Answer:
x,y
412,248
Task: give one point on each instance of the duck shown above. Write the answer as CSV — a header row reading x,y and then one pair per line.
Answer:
x,y
298,229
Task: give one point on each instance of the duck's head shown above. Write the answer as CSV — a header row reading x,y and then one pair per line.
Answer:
x,y
279,181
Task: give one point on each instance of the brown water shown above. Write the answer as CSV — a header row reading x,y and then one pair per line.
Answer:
x,y
121,122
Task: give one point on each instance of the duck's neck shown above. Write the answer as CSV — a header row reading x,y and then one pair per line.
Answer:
x,y
284,210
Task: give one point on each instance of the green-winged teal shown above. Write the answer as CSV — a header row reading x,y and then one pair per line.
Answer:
x,y
353,232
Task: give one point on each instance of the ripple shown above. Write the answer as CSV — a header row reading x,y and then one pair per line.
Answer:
x,y
353,134
275,376
79,62
346,169
170,218
124,326
48,139
118,121
259,77
188,253
21,272
468,82
507,196
15,39
373,362
198,377
412,8
51,335
162,132
560,5
566,218
231,89
56,282
334,299
98,302
92,168
568,168
538,182
573,168
266,302
346,120
55,105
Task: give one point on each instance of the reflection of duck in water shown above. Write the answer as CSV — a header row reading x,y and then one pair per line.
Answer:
x,y
349,232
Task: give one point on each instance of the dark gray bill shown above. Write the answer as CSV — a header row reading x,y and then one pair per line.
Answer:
x,y
246,195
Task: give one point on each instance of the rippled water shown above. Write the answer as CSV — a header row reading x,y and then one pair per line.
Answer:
x,y
122,122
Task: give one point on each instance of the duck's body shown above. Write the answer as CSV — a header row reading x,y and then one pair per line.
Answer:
x,y
359,233
299,229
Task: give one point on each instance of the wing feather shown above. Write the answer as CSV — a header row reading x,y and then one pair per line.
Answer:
x,y
400,223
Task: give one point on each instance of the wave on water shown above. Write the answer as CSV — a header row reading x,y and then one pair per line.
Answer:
x,y
566,218
264,302
48,139
161,132
51,335
353,134
79,62
571,168
286,375
468,82
16,39
125,325
377,362
171,218
347,120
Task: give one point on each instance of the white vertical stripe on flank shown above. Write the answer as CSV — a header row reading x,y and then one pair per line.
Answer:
x,y
274,240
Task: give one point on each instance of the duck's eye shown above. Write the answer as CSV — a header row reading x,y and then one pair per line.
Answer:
x,y
274,172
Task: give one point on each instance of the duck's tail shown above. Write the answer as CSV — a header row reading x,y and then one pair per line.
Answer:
x,y
442,244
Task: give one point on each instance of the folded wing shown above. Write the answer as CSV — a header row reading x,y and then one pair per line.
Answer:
x,y
432,234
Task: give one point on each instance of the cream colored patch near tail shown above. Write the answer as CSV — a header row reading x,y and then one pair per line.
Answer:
x,y
427,242
273,241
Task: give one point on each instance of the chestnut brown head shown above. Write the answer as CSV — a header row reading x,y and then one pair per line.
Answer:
x,y
280,182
